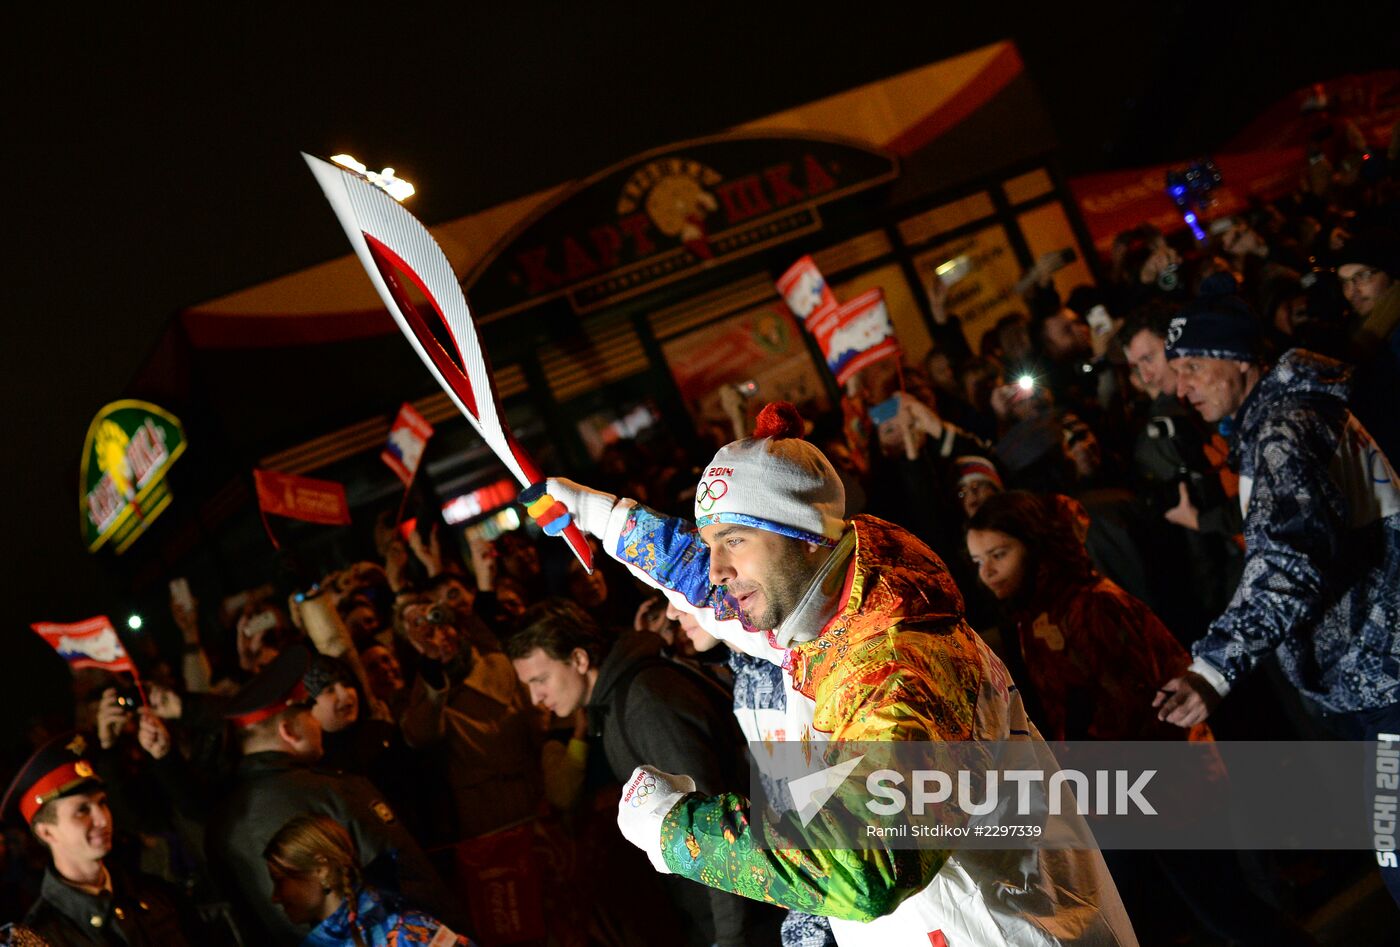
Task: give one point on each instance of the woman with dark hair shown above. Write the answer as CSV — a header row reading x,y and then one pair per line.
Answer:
x,y
316,879
1091,650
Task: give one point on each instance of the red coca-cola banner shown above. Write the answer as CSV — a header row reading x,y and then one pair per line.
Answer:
x,y
302,498
87,644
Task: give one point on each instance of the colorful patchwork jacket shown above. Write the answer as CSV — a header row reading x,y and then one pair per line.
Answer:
x,y
372,919
1321,583
897,663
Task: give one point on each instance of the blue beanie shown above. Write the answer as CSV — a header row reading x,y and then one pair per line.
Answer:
x,y
1215,327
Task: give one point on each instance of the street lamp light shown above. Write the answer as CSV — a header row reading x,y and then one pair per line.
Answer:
x,y
396,187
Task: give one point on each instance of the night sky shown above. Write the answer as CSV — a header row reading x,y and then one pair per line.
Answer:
x,y
153,159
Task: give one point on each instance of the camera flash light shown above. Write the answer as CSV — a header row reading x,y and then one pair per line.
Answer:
x,y
1025,382
133,622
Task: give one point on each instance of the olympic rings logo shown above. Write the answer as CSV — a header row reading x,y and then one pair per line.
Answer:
x,y
647,787
709,493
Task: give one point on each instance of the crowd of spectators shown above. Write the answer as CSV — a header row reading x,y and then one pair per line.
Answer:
x,y
416,740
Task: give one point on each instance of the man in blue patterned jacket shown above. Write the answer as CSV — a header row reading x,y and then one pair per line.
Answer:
x,y
1321,582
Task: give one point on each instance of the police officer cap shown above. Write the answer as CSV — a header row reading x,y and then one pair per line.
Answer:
x,y
57,769
275,688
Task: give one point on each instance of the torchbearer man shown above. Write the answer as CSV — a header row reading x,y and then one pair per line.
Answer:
x,y
870,628
1321,582
81,901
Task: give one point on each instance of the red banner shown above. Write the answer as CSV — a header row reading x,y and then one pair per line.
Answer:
x,y
855,334
302,498
407,438
502,883
1115,201
87,644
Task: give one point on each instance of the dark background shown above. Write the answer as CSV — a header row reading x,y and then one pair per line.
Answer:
x,y
152,154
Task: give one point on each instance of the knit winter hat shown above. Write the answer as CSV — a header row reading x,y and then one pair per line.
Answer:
x,y
774,480
1377,248
325,672
972,468
1215,327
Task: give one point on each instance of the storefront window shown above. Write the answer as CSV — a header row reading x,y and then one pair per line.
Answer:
x,y
762,345
1028,186
1047,229
988,291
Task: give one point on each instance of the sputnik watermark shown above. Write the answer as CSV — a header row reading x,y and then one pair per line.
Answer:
x,y
1112,793
1027,793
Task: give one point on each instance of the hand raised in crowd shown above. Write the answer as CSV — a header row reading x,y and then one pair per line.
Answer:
x,y
335,585
938,300
920,416
152,734
483,560
1184,513
1002,398
252,632
732,403
430,552
1045,267
396,563
186,616
112,718
1186,700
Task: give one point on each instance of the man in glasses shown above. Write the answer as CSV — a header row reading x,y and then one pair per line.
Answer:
x,y
1368,268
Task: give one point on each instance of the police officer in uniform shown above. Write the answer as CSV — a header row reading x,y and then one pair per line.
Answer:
x,y
83,901
277,780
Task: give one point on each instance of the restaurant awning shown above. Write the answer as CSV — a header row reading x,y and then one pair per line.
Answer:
x,y
907,115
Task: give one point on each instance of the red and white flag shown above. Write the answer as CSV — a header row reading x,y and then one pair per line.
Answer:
x,y
855,334
806,291
407,438
87,644
302,498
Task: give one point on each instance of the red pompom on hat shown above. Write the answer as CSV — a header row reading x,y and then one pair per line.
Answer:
x,y
779,419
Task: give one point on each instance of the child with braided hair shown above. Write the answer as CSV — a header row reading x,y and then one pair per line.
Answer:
x,y
316,878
